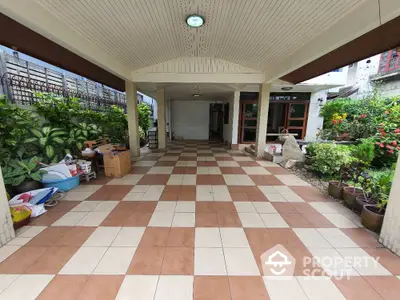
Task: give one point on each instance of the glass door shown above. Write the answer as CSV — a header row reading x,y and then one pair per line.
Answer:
x,y
297,119
248,121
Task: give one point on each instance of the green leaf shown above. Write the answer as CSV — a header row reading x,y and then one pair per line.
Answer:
x,y
58,133
18,180
36,133
49,151
58,140
43,141
32,163
36,176
46,130
30,140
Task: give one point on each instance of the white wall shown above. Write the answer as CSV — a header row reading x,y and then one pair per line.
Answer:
x,y
315,122
228,127
190,119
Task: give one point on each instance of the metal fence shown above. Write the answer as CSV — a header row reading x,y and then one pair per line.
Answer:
x,y
21,79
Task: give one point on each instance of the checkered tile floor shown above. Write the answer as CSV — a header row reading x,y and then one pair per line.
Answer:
x,y
191,223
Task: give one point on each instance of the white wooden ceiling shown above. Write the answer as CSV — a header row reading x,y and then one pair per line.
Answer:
x,y
255,34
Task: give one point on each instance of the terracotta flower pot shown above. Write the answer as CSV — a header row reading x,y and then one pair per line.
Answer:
x,y
350,195
360,202
335,189
372,218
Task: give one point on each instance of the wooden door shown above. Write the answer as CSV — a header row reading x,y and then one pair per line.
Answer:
x,y
296,120
248,121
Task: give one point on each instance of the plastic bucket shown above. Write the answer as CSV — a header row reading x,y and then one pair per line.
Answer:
x,y
64,185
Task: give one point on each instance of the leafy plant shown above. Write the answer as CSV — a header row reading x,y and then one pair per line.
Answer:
x,y
48,141
17,171
144,112
75,140
116,125
364,151
89,131
14,129
329,158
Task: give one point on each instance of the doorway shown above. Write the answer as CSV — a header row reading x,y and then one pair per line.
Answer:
x,y
291,116
216,123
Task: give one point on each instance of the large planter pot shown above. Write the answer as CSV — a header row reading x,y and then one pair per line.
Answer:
x,y
26,186
350,195
371,218
335,189
360,202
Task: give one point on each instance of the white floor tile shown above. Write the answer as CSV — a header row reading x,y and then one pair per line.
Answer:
x,y
31,231
144,163
161,219
265,208
256,171
141,287
293,198
26,287
183,220
326,207
130,179
106,206
287,288
6,251
311,238
319,287
267,190
233,238
332,262
242,158
86,206
6,280
185,206
84,260
240,262
207,237
169,158
244,207
204,193
102,236
337,238
340,221
221,193
292,180
18,241
93,219
153,193
209,261
364,264
87,188
128,237
115,261
265,163
283,190
77,196
251,220
175,179
174,287
70,219
274,221
165,206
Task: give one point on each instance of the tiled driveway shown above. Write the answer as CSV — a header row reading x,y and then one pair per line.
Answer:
x,y
191,223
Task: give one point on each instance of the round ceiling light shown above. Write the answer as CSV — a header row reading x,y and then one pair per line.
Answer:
x,y
195,21
287,88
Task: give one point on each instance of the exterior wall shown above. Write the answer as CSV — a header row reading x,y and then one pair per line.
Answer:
x,y
315,122
390,88
228,127
338,77
191,119
6,225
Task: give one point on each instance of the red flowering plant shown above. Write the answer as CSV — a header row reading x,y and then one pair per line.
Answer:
x,y
387,142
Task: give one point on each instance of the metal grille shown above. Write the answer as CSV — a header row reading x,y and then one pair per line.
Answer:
x,y
21,79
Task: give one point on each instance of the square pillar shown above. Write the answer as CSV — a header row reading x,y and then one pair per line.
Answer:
x,y
390,233
161,128
234,111
262,118
6,229
133,117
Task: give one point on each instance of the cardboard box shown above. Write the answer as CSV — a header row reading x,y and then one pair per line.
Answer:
x,y
117,164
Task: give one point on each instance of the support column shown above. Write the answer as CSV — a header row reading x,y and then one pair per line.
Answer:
x,y
314,121
133,118
6,229
161,119
390,233
235,119
262,118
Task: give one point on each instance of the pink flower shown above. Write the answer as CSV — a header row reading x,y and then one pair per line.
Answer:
x,y
391,151
394,143
377,143
382,145
396,130
389,147
387,112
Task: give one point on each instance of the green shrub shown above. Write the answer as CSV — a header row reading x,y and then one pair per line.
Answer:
x,y
144,112
329,158
365,151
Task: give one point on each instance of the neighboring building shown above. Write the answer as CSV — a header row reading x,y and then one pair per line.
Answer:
x,y
380,72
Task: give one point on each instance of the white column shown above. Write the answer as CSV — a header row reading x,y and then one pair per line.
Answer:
x,y
160,97
314,121
6,229
170,119
390,233
235,118
133,117
262,118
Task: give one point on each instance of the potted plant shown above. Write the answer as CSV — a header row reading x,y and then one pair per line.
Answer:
x,y
23,175
335,187
310,153
372,214
355,174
